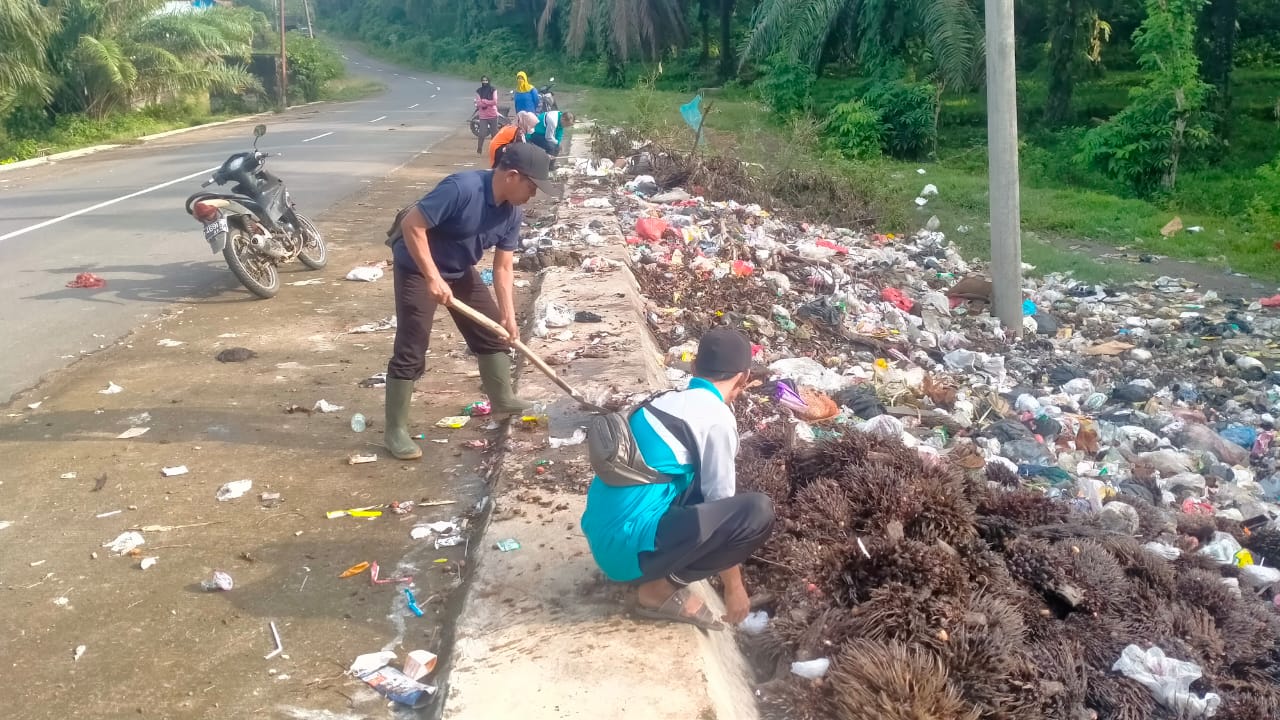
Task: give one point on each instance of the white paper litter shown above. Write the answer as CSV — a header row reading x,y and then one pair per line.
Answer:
x,y
125,542
384,324
441,527
811,669
365,273
301,283
233,490
1168,680
325,406
111,389
79,653
579,436
67,476
35,405
449,541
170,343
133,433
5,524
175,471
148,562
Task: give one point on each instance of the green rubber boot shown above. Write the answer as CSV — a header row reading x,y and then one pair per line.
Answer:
x,y
396,435
495,378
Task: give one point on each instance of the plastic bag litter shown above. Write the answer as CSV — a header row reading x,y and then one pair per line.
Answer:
x,y
1168,552
1168,680
811,669
885,426
807,371
325,406
755,623
1259,576
578,437
233,490
365,273
1222,548
125,542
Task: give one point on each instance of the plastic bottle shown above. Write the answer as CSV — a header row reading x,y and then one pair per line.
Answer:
x,y
357,422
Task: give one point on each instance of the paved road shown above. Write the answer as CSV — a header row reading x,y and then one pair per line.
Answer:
x,y
119,214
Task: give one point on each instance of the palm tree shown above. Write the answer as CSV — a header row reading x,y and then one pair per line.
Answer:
x,y
125,52
806,31
624,29
24,33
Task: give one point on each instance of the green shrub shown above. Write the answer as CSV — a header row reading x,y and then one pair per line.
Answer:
x,y
785,86
1165,124
1263,214
312,63
855,130
907,112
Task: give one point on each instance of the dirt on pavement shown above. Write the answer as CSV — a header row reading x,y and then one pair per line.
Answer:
x,y
155,644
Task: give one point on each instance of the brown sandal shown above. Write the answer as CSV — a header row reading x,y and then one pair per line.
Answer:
x,y
675,610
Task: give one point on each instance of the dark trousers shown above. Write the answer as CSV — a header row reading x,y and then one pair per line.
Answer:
x,y
488,128
552,147
695,542
415,311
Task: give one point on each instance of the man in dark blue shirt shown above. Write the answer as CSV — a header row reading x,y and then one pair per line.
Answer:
x,y
439,242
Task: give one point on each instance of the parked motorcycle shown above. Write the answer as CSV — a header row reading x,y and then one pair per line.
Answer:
x,y
256,227
548,97
474,122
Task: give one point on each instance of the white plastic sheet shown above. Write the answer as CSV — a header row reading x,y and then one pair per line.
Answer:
x,y
1168,680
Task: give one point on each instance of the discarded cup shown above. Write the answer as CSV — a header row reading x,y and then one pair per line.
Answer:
x,y
357,423
507,545
419,664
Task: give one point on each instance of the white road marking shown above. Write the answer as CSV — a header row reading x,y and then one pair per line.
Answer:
x,y
396,74
105,203
412,77
414,105
384,117
318,137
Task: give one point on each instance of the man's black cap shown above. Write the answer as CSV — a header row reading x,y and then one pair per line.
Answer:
x,y
722,351
532,162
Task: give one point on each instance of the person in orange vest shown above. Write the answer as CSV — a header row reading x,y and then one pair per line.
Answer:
x,y
515,132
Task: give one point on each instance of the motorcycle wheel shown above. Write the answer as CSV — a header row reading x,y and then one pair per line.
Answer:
x,y
314,254
475,127
254,270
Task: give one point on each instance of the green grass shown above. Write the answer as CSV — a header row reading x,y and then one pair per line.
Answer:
x,y
348,89
1064,204
71,132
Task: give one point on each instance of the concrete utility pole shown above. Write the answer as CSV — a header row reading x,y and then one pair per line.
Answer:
x,y
284,64
1002,151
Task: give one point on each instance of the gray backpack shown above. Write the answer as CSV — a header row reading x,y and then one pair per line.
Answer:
x,y
615,456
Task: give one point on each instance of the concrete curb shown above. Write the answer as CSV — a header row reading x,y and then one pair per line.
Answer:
x,y
539,636
92,149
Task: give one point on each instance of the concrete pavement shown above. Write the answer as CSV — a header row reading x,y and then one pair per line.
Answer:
x,y
119,214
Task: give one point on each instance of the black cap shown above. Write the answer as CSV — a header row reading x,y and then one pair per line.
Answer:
x,y
531,161
722,351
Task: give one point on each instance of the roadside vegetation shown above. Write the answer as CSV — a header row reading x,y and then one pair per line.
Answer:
x,y
80,72
1131,112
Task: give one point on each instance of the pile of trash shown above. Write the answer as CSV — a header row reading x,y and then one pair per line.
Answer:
x,y
972,525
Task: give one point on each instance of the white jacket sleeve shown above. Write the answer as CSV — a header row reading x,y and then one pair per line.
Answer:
x,y
719,451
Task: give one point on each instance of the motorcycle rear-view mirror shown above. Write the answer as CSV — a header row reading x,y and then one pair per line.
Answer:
x,y
259,130
551,80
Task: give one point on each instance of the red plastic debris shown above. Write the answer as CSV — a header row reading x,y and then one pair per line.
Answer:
x,y
1273,301
1192,506
895,296
652,229
742,268
87,280
824,243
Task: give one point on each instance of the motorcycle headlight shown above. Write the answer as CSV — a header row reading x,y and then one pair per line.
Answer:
x,y
235,164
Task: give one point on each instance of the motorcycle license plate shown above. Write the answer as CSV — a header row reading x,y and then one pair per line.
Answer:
x,y
215,233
